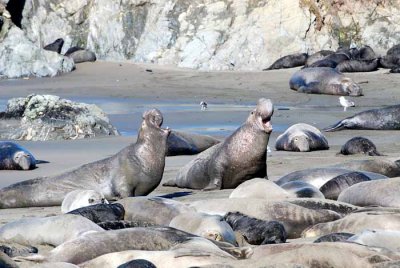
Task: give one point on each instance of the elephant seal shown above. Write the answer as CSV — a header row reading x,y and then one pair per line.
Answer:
x,y
101,212
324,63
181,143
15,157
81,198
56,46
359,145
324,80
7,262
255,231
240,157
122,224
333,188
338,57
293,217
212,227
319,176
355,223
340,208
15,249
334,237
135,170
259,188
389,62
82,55
384,193
394,50
380,166
289,61
301,138
138,263
388,239
351,66
302,189
53,230
387,118
317,56
366,53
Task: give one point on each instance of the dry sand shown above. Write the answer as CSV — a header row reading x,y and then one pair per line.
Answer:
x,y
231,95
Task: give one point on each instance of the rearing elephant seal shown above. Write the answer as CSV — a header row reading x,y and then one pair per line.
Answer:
x,y
242,156
135,170
13,156
301,138
324,80
387,118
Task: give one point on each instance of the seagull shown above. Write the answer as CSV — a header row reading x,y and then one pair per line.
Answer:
x,y
345,103
203,105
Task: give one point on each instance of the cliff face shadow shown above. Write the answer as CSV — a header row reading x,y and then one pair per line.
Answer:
x,y
15,7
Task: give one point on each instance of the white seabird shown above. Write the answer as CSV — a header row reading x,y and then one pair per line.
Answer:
x,y
345,103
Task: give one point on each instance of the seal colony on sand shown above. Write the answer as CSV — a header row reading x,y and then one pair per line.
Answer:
x,y
15,157
240,157
135,170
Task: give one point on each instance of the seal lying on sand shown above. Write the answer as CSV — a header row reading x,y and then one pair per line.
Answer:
x,y
135,170
387,118
289,61
79,55
242,156
81,198
324,80
350,66
359,145
385,167
15,157
301,138
181,143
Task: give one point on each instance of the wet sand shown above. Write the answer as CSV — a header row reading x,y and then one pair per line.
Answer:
x,y
125,90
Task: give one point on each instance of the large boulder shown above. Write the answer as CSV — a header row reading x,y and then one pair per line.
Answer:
x,y
48,117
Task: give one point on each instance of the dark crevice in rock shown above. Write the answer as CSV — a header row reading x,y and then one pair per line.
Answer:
x,y
15,7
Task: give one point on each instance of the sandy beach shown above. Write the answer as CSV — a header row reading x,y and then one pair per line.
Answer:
x,y
124,90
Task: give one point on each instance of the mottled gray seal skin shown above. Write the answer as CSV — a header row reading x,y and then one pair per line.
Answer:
x,y
333,237
242,156
359,145
101,212
352,66
255,231
14,249
384,193
335,186
389,62
82,55
366,53
324,63
302,189
301,138
116,225
7,262
340,208
181,143
289,61
15,157
387,118
378,238
380,166
324,80
317,56
56,46
338,57
394,50
135,170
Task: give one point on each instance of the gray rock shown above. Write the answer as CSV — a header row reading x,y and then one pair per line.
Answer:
x,y
48,117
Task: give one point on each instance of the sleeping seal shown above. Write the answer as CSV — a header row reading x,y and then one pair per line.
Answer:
x,y
135,170
359,145
289,61
81,198
240,157
15,157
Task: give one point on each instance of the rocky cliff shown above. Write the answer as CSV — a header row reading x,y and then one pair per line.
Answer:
x,y
211,34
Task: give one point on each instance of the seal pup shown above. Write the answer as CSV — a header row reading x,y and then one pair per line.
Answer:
x,y
15,157
384,193
346,103
56,46
289,61
53,230
385,167
301,138
183,143
255,231
81,198
324,80
240,157
260,188
135,170
101,212
302,189
387,118
360,145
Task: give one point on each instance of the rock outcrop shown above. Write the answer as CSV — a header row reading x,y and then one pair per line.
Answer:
x,y
48,117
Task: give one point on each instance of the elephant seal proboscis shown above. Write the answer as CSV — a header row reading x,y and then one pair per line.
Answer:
x,y
81,198
135,170
260,188
293,217
384,193
324,80
289,61
101,212
53,230
387,118
333,237
301,138
182,143
333,188
255,231
15,157
385,167
360,145
302,189
240,157
56,46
